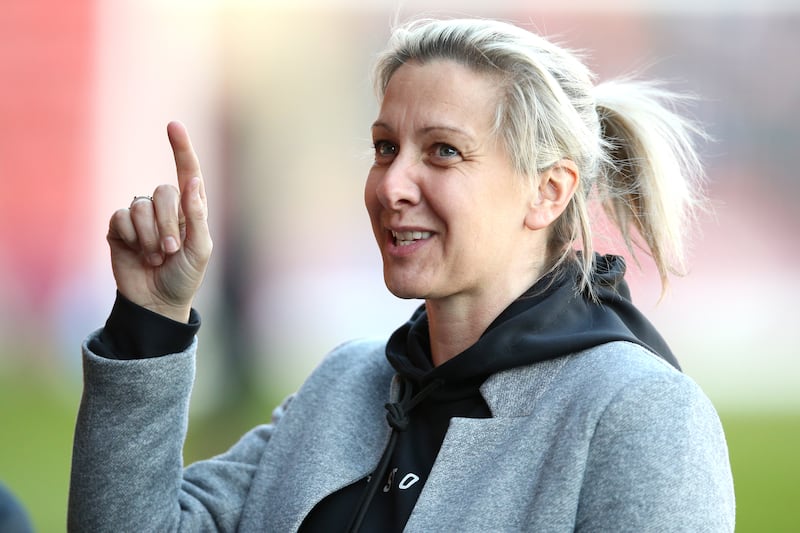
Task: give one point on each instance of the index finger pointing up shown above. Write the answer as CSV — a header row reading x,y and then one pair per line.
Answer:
x,y
186,163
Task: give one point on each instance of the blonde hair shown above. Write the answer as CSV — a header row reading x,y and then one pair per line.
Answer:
x,y
635,153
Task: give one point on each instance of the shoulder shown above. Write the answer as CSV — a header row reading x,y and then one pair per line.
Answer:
x,y
625,377
642,411
655,440
654,451
611,374
615,367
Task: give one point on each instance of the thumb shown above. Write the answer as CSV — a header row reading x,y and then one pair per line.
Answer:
x,y
194,204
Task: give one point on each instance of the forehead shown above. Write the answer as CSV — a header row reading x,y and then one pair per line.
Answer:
x,y
440,91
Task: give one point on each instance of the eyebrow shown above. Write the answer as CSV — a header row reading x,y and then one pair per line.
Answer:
x,y
427,129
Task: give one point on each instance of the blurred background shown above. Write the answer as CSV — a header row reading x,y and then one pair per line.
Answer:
x,y
278,99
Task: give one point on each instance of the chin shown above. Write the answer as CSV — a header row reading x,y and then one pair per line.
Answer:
x,y
403,293
404,290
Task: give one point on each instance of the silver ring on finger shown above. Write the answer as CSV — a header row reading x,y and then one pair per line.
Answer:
x,y
137,198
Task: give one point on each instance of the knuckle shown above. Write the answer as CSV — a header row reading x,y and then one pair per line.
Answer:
x,y
119,216
164,189
120,226
140,208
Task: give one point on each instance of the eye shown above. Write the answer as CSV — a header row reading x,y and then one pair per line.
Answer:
x,y
384,149
445,151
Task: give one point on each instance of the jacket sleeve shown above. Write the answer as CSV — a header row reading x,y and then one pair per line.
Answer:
x,y
658,461
127,465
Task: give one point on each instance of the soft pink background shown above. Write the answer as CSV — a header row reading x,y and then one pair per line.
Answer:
x,y
277,98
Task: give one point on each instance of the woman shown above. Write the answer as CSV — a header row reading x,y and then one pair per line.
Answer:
x,y
527,393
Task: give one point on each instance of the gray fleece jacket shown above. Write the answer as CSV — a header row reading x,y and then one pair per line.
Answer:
x,y
609,439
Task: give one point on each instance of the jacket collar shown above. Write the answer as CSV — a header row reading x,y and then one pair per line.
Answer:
x,y
502,391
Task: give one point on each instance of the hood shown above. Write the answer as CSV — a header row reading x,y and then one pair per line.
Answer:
x,y
552,319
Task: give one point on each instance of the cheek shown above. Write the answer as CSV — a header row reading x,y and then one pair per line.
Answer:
x,y
371,201
369,191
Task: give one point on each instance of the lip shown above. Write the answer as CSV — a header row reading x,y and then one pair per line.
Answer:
x,y
394,250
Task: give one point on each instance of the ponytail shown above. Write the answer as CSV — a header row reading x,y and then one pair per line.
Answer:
x,y
652,179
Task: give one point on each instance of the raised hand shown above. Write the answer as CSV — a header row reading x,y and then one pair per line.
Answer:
x,y
160,248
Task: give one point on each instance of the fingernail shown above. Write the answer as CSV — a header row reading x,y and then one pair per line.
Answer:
x,y
155,259
170,245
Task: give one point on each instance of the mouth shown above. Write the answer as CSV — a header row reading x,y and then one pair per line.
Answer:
x,y
406,238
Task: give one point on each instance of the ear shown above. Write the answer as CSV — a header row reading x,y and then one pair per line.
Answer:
x,y
557,185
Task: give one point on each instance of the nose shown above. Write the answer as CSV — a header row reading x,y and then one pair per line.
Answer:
x,y
397,185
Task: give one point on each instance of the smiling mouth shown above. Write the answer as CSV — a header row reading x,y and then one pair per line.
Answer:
x,y
404,238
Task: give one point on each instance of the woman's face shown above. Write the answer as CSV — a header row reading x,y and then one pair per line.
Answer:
x,y
446,206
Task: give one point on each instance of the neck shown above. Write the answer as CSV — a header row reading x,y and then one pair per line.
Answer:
x,y
456,323
453,331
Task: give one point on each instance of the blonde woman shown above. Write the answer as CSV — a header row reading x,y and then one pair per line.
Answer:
x,y
526,393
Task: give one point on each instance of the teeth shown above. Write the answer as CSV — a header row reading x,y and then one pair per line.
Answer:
x,y
404,238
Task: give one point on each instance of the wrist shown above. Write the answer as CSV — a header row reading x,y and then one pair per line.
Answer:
x,y
176,313
134,332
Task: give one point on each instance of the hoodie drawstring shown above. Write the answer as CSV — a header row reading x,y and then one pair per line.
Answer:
x,y
397,416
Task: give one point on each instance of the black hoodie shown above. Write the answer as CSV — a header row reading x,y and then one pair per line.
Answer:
x,y
552,319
